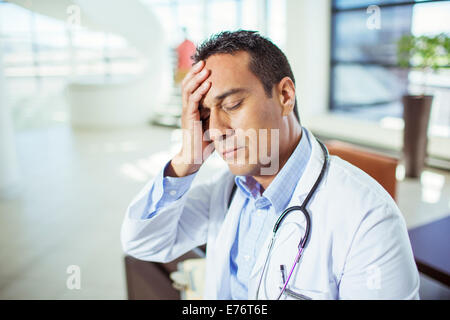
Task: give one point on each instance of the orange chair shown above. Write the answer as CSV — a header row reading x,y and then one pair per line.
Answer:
x,y
381,168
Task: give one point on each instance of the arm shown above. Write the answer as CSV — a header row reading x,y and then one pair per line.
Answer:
x,y
166,219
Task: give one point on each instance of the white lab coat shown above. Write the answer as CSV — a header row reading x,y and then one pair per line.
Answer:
x,y
358,248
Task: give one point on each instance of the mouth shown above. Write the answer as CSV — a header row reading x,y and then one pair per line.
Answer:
x,y
230,153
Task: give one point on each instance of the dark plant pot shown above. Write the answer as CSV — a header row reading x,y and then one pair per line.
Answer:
x,y
416,115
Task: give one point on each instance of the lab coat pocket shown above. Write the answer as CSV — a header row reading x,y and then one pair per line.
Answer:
x,y
292,293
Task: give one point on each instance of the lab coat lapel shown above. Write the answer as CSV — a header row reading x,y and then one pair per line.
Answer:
x,y
303,187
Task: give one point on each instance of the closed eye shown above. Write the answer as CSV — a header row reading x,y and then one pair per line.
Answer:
x,y
233,107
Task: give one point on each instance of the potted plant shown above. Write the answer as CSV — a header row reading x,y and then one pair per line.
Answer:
x,y
427,54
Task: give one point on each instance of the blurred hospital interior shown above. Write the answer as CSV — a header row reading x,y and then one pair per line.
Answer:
x,y
90,108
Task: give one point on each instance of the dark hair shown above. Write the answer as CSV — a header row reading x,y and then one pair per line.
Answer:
x,y
267,62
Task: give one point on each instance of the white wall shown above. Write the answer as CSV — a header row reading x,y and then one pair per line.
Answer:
x,y
308,50
9,169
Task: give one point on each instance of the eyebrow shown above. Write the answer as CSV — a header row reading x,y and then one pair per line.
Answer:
x,y
229,93
224,95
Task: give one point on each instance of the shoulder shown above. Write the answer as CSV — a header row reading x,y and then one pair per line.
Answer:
x,y
349,181
359,215
352,199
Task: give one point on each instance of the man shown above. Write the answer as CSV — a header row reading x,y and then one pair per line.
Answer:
x,y
240,95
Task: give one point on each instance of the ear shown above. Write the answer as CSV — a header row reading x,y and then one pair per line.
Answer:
x,y
286,95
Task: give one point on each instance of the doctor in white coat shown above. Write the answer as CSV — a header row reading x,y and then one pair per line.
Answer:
x,y
358,246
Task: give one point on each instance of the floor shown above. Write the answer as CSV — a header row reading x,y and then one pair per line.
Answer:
x,y
76,185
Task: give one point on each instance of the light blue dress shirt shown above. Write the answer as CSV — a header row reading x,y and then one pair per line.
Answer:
x,y
257,216
166,190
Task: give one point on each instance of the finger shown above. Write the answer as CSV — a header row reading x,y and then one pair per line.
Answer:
x,y
190,75
196,96
196,68
195,82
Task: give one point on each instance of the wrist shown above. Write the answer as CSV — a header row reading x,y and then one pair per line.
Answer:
x,y
179,167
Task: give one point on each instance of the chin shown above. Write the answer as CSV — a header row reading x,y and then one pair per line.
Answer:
x,y
244,169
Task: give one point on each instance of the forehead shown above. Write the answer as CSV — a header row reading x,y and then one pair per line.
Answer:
x,y
229,72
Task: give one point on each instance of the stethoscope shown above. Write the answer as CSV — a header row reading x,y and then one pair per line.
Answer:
x,y
304,240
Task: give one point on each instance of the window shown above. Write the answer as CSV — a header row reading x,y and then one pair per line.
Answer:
x,y
365,81
203,18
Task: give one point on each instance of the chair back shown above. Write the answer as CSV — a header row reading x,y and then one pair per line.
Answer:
x,y
380,167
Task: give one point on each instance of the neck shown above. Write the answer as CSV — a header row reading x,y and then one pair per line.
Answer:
x,y
292,138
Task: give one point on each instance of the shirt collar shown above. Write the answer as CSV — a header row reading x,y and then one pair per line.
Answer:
x,y
280,190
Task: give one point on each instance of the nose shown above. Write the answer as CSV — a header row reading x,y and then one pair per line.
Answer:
x,y
218,126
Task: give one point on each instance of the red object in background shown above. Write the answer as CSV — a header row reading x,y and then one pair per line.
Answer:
x,y
185,51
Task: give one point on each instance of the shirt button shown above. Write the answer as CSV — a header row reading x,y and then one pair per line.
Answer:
x,y
172,192
247,257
